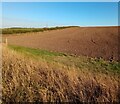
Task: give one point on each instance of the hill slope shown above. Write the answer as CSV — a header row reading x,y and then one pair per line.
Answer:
x,y
87,41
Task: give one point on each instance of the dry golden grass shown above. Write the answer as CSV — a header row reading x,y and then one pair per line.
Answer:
x,y
29,80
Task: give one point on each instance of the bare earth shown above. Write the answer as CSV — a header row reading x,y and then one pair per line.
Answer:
x,y
87,41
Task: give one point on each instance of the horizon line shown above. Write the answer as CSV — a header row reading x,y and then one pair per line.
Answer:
x,y
61,26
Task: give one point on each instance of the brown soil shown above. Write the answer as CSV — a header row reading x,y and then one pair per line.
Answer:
x,y
87,41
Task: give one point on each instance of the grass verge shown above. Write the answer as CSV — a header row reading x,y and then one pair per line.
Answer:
x,y
93,64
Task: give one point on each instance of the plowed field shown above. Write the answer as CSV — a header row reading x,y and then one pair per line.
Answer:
x,y
87,41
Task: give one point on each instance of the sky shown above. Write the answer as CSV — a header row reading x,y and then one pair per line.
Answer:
x,y
41,14
60,0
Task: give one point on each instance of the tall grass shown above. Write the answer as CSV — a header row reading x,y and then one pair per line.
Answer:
x,y
27,79
67,59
